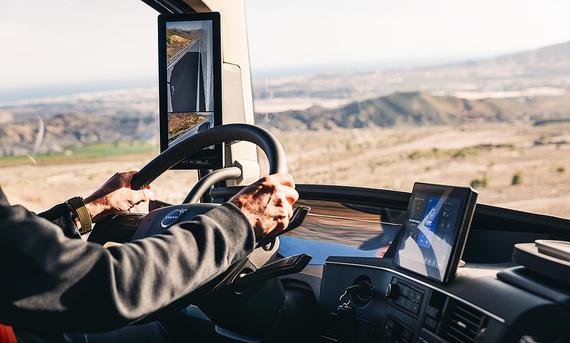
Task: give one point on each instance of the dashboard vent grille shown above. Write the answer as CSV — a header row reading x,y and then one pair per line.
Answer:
x,y
464,324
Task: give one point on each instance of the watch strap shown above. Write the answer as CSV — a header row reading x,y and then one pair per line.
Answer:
x,y
78,206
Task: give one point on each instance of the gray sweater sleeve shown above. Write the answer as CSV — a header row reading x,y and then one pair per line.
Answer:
x,y
56,284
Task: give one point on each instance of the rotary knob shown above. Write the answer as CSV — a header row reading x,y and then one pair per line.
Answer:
x,y
392,290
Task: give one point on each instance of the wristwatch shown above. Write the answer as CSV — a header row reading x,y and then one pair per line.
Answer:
x,y
77,206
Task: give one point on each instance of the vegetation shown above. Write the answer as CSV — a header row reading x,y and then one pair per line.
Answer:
x,y
480,182
86,153
182,121
517,178
551,121
560,169
458,153
177,40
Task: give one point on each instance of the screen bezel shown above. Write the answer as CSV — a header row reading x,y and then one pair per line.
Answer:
x,y
206,159
468,198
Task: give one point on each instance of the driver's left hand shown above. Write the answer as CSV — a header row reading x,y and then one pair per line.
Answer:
x,y
115,196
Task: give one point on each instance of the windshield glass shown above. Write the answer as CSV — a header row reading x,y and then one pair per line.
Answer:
x,y
384,94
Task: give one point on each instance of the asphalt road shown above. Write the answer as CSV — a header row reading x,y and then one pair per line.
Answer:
x,y
184,83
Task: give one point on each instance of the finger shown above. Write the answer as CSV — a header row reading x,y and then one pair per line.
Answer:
x,y
282,178
284,223
283,206
289,211
289,193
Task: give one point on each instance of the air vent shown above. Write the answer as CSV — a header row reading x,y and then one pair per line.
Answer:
x,y
464,325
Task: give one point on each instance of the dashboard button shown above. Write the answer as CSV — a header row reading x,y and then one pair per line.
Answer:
x,y
402,302
415,307
416,297
405,303
403,290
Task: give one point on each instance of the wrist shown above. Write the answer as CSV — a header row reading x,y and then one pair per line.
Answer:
x,y
96,208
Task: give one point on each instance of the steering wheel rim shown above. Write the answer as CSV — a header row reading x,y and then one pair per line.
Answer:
x,y
195,143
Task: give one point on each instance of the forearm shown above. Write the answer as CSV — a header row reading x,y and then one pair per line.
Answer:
x,y
76,286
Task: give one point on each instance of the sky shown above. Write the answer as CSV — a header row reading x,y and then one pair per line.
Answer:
x,y
71,43
184,25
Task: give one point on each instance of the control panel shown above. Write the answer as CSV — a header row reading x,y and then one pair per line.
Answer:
x,y
404,296
398,308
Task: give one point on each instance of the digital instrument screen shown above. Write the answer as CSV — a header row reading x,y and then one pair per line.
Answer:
x,y
189,87
430,235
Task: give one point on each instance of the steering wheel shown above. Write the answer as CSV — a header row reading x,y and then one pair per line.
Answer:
x,y
219,134
251,311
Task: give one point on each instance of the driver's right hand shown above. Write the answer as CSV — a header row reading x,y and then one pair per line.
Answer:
x,y
267,204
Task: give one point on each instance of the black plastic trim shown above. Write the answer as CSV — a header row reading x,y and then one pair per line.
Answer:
x,y
170,6
486,217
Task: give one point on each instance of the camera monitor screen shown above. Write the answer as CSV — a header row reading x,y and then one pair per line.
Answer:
x,y
435,231
190,83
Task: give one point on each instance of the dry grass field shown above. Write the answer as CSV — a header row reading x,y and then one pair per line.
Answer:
x,y
489,155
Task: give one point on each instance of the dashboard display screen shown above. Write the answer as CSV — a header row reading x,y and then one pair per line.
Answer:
x,y
430,234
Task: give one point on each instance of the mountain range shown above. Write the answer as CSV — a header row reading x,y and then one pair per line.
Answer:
x,y
541,71
419,109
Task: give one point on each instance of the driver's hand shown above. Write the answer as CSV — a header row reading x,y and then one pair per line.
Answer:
x,y
267,204
115,196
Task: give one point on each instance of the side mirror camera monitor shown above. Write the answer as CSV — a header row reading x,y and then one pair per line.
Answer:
x,y
190,85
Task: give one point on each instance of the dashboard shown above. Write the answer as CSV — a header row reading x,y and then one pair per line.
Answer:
x,y
491,298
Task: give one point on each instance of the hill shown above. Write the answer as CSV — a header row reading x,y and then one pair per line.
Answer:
x,y
72,129
417,109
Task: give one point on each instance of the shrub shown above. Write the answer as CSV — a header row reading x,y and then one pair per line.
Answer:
x,y
480,182
561,169
517,179
414,155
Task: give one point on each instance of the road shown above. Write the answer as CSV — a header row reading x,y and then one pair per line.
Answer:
x,y
185,82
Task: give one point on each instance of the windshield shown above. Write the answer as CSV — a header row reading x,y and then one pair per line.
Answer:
x,y
378,94
384,94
